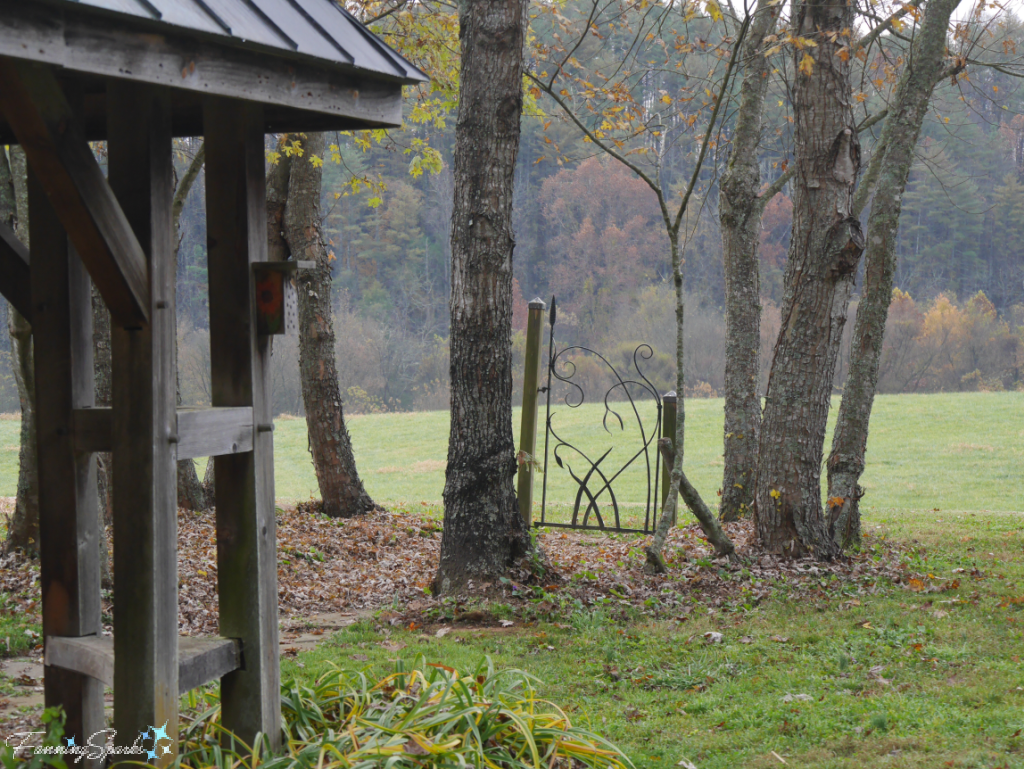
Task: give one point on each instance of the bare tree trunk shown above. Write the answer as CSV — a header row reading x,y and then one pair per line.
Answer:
x,y
191,494
101,345
826,246
483,531
341,489
740,211
924,71
23,528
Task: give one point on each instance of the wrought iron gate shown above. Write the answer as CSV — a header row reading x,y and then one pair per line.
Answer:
x,y
595,478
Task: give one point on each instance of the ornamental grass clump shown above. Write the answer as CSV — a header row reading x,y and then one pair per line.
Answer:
x,y
423,715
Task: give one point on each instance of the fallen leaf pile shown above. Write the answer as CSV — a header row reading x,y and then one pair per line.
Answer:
x,y
386,560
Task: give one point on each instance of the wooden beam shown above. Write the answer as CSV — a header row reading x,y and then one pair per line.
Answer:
x,y
304,95
15,276
244,494
68,506
60,157
144,405
214,432
93,430
200,660
202,432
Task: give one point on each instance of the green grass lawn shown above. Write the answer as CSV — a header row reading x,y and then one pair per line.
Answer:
x,y
886,677
962,451
880,676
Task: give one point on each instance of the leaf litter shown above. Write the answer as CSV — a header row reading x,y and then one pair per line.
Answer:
x,y
385,561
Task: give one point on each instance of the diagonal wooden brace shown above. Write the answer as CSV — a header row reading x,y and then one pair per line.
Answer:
x,y
35,107
15,281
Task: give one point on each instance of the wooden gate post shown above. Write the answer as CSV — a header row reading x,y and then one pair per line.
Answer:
x,y
528,430
244,487
668,430
69,528
145,430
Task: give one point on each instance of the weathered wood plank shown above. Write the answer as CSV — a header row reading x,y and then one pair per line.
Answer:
x,y
201,432
60,157
200,660
246,526
312,97
91,656
214,432
93,430
15,275
144,456
68,514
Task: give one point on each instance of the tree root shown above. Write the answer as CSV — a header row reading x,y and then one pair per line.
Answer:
x,y
708,523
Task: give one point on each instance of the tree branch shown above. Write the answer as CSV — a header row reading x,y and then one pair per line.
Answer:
x,y
775,187
185,185
550,91
737,45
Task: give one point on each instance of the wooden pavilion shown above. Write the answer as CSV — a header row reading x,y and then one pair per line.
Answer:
x,y
136,73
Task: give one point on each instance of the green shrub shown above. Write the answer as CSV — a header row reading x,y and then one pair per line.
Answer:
x,y
426,715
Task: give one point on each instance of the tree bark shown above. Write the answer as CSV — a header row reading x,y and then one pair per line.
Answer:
x,y
341,489
826,245
483,531
191,494
23,527
926,67
740,211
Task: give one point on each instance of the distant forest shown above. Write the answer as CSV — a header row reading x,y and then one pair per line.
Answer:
x,y
589,232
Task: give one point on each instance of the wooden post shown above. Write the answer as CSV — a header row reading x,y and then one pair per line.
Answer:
x,y
145,430
68,511
244,488
668,430
528,429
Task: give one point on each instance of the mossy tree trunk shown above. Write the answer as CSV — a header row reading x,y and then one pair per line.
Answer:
x,y
297,183
826,246
191,494
483,531
926,68
740,210
23,528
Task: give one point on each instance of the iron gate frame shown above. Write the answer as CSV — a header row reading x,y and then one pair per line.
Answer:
x,y
653,505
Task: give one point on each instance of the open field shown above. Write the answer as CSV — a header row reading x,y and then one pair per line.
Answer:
x,y
962,451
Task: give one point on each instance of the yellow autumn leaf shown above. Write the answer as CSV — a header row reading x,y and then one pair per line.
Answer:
x,y
807,64
714,10
666,99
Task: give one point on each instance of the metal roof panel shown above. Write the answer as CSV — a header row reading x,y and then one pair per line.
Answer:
x,y
293,23
186,13
247,23
354,36
318,29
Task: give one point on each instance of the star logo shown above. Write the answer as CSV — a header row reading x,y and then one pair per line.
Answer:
x,y
157,734
161,733
70,742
